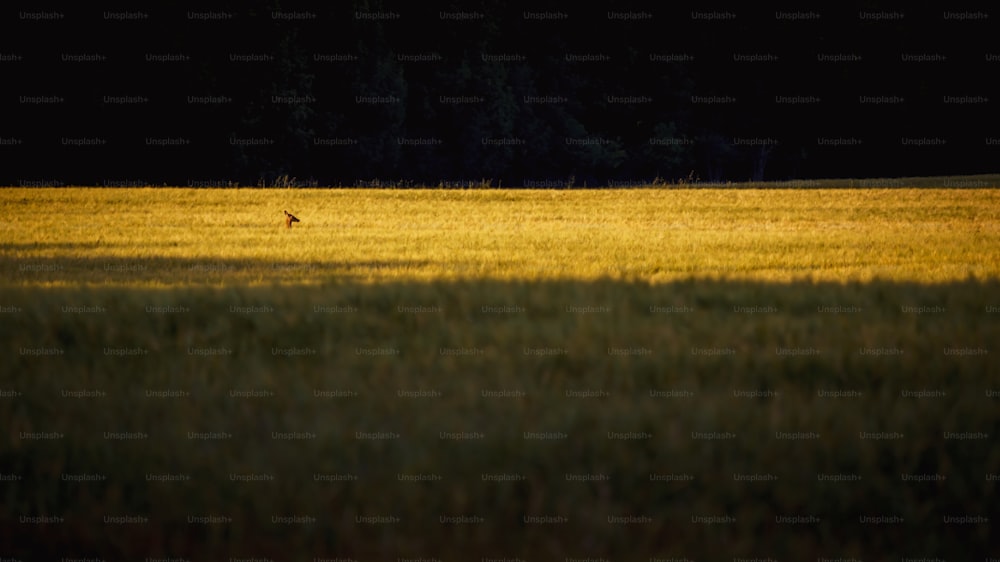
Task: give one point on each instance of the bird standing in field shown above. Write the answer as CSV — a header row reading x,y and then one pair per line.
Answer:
x,y
289,219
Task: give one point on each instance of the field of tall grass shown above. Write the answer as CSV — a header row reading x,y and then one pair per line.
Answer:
x,y
469,374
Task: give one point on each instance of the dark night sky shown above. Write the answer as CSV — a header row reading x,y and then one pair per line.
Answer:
x,y
459,92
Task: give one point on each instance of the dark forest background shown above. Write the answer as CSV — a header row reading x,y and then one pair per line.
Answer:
x,y
547,95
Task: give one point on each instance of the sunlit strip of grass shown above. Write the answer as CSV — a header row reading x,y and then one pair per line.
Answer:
x,y
157,237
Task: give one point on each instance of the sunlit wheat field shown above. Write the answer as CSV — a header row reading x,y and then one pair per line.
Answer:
x,y
237,236
543,374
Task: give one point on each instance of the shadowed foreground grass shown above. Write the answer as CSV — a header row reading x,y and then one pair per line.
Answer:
x,y
492,418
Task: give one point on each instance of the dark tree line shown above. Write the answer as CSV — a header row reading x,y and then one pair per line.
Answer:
x,y
488,90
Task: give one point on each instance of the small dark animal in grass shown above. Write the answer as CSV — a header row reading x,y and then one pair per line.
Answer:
x,y
289,219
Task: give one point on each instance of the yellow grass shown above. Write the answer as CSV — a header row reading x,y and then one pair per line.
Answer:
x,y
588,314
196,237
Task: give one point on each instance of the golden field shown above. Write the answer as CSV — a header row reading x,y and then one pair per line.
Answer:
x,y
498,373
